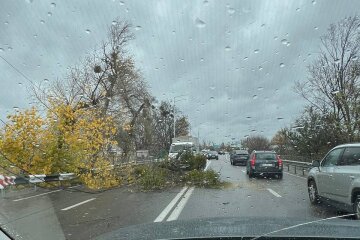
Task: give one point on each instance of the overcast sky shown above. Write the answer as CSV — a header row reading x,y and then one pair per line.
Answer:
x,y
235,61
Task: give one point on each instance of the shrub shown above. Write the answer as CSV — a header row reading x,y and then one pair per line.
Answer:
x,y
199,178
151,177
193,161
199,162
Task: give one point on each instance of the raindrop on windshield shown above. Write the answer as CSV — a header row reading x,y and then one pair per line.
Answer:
x,y
260,68
255,97
137,28
280,118
316,28
231,10
227,48
246,58
16,108
284,41
114,23
313,2
276,38
354,58
212,99
201,59
6,23
263,25
121,3
88,31
42,21
260,88
282,65
206,2
212,87
53,5
2,50
298,9
46,80
49,14
337,61
199,23
256,50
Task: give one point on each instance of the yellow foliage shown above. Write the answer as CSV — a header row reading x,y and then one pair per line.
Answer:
x,y
68,139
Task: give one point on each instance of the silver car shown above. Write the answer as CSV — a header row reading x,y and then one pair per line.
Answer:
x,y
336,178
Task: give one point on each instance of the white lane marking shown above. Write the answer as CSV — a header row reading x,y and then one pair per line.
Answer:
x,y
295,175
273,192
207,165
78,204
178,209
170,206
38,195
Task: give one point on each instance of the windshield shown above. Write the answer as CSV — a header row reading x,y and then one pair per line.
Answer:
x,y
179,148
116,115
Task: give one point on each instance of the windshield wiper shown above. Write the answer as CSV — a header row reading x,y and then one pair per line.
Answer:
x,y
302,224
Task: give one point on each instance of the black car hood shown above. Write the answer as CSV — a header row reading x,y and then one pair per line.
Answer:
x,y
238,227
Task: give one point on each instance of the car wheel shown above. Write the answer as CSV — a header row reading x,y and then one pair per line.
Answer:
x,y
280,175
313,193
357,208
247,172
251,174
231,162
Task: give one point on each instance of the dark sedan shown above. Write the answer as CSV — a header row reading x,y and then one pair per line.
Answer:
x,y
239,157
213,155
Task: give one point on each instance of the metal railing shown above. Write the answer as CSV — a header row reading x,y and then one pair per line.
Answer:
x,y
298,165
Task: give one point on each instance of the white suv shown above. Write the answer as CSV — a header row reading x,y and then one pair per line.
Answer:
x,y
337,178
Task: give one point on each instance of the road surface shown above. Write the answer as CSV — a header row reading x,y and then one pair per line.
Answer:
x,y
74,214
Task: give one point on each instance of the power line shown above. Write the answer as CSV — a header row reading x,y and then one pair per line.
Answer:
x,y
17,70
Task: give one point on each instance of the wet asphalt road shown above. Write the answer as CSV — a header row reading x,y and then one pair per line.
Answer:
x,y
73,214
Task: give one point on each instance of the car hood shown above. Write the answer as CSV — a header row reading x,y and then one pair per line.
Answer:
x,y
238,227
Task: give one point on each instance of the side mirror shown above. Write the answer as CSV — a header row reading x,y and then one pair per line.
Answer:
x,y
316,163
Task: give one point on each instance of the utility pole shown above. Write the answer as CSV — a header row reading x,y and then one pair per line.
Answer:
x,y
174,115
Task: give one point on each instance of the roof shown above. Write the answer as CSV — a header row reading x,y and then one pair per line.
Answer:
x,y
241,152
348,145
263,151
182,143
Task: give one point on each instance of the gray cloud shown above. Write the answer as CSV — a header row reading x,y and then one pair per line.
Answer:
x,y
192,48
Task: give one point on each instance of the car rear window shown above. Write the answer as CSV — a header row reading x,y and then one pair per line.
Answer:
x,y
241,152
265,156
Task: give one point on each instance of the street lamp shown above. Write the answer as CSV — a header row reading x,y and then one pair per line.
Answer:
x,y
175,100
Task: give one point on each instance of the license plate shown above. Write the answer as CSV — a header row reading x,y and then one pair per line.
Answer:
x,y
267,165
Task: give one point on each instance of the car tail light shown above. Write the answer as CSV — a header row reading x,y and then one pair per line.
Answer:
x,y
280,163
252,161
